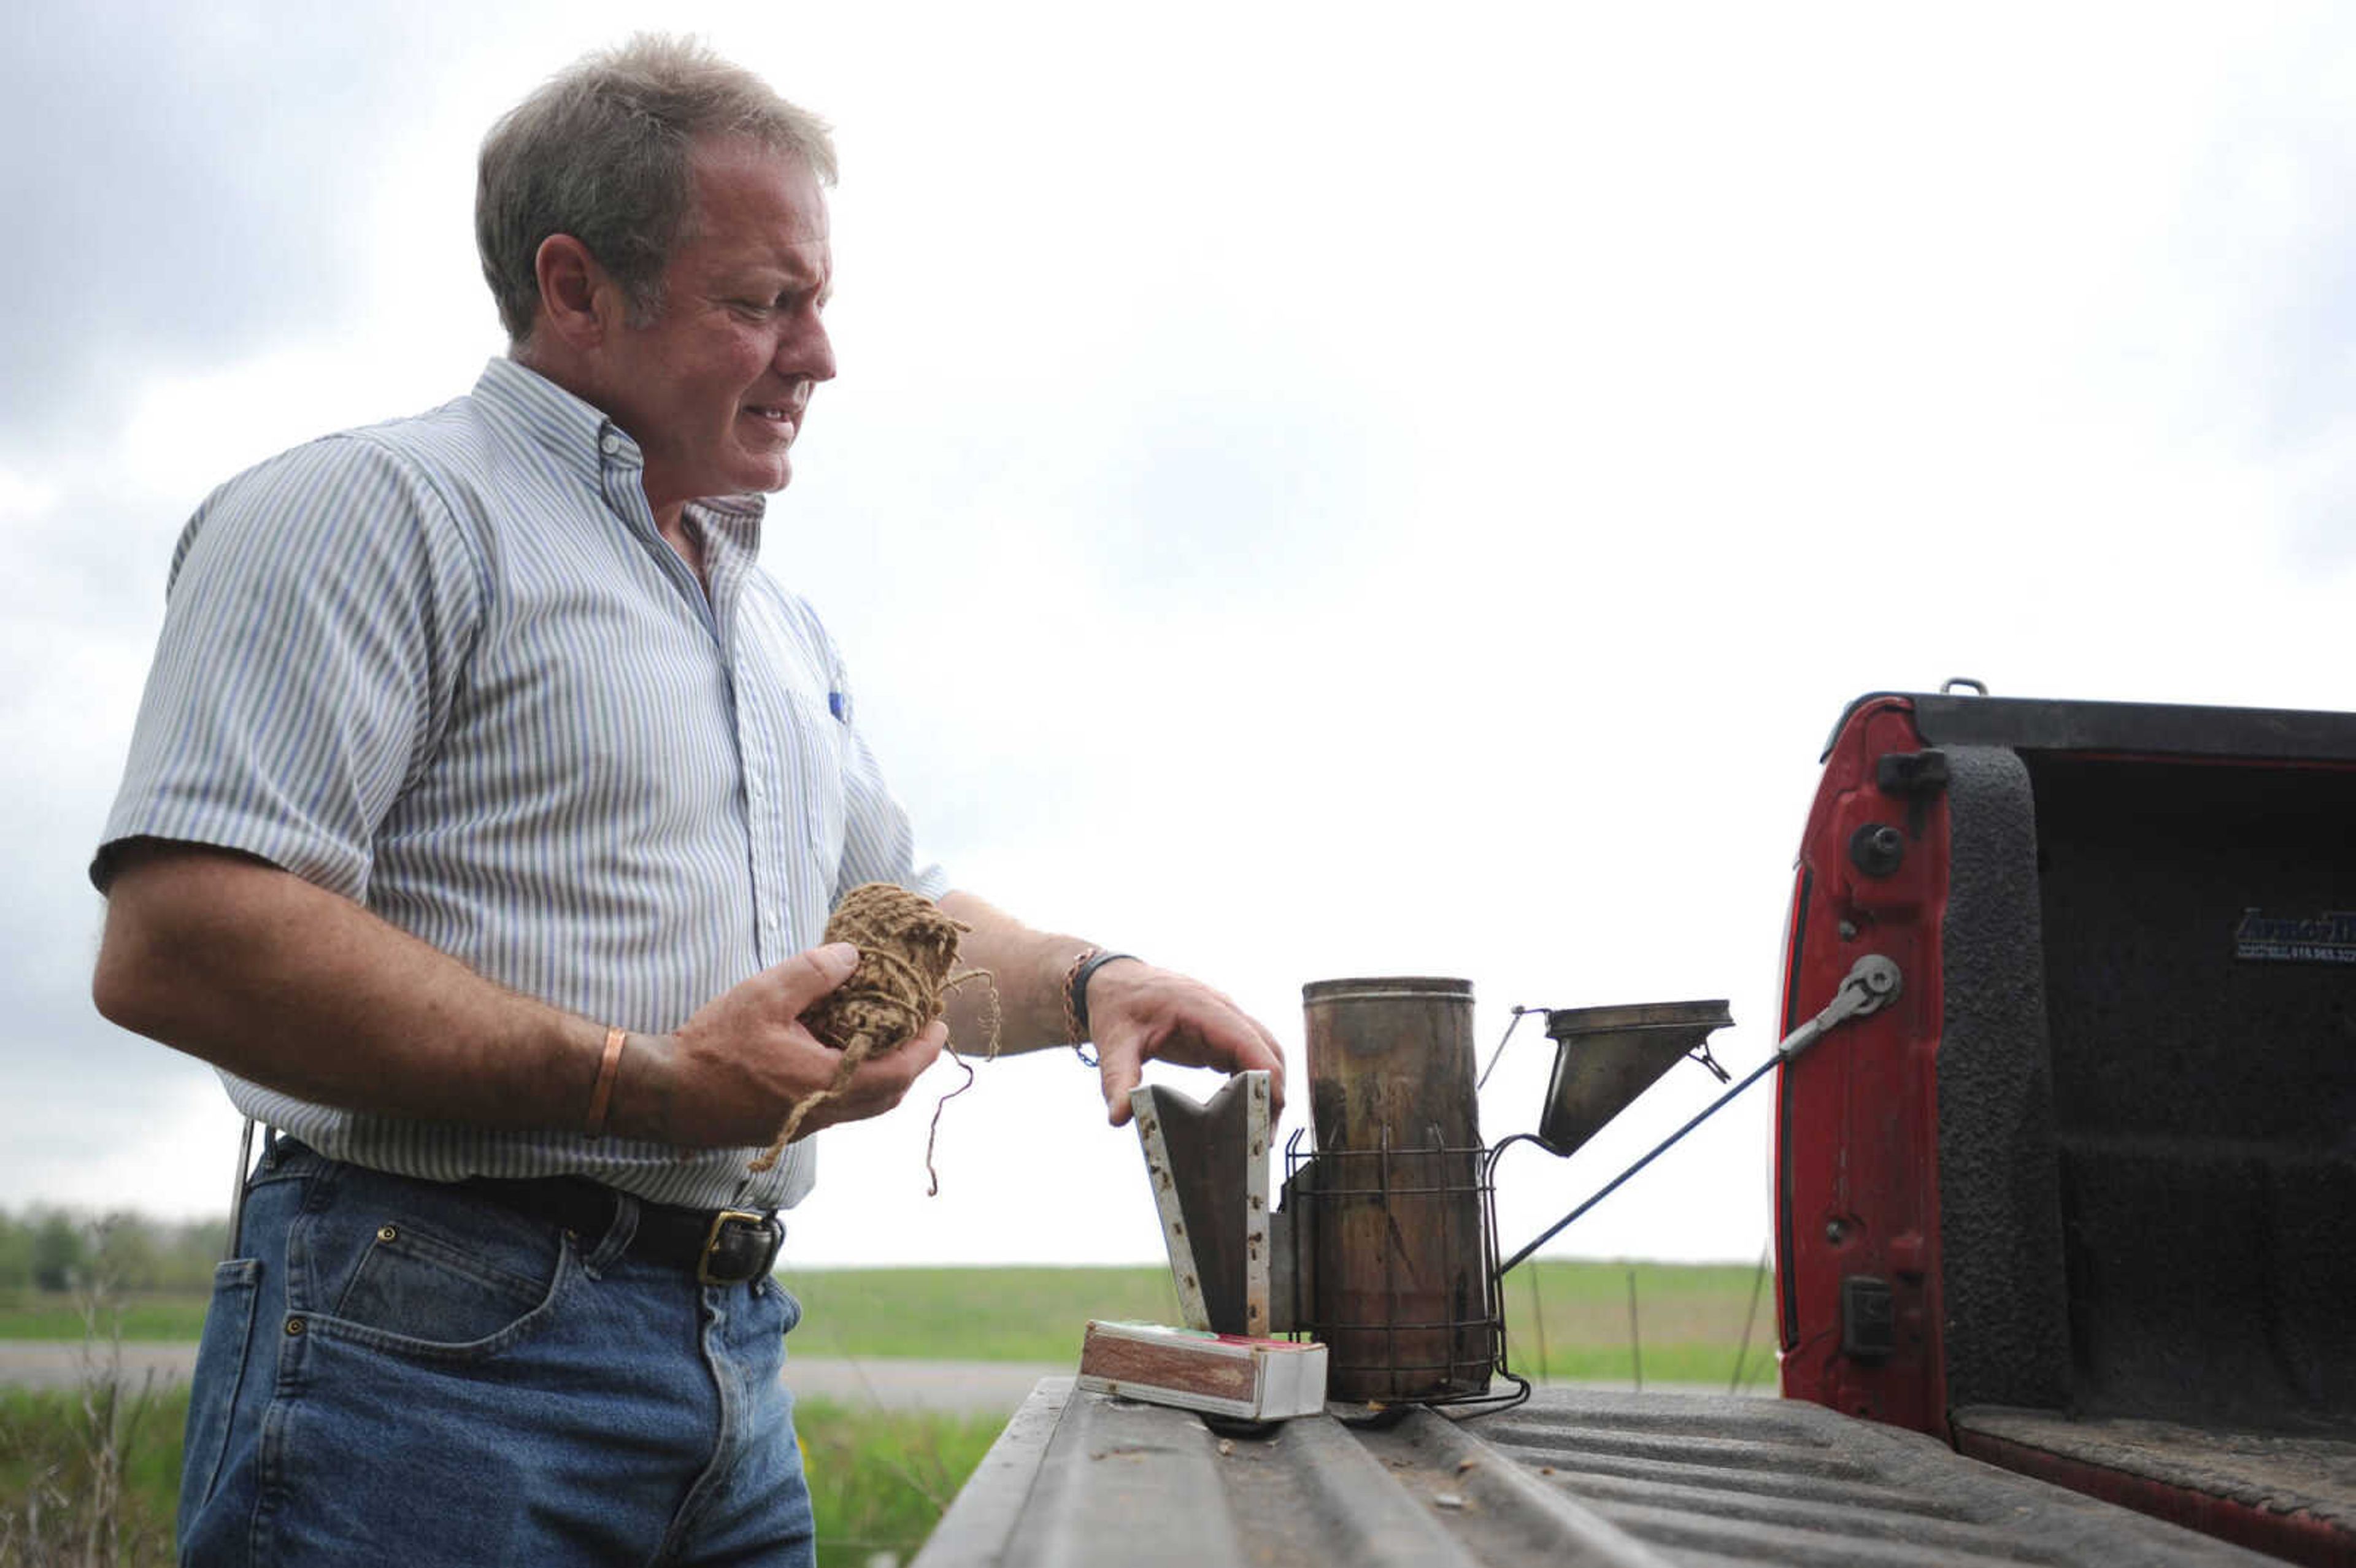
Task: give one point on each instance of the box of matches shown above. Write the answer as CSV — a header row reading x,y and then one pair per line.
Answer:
x,y
1219,1374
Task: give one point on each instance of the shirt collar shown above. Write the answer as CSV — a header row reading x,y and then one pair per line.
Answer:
x,y
586,443
571,430
735,518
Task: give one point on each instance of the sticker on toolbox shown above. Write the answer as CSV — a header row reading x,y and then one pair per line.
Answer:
x,y
2326,938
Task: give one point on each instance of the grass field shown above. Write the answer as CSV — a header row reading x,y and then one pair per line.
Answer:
x,y
62,1502
969,1314
46,1314
1570,1320
879,1479
1563,1319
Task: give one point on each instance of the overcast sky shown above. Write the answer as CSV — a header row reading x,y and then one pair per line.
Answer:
x,y
1312,491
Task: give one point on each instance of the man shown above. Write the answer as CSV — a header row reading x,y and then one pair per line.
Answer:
x,y
484,805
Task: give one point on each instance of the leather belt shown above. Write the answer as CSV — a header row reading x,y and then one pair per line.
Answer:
x,y
719,1246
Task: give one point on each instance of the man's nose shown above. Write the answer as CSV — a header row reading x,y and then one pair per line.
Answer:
x,y
807,350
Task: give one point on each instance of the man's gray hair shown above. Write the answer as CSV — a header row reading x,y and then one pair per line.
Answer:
x,y
602,153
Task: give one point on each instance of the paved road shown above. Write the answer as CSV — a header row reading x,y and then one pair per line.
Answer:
x,y
963,1388
974,1388
61,1363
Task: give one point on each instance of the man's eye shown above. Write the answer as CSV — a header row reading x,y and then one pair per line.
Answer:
x,y
783,305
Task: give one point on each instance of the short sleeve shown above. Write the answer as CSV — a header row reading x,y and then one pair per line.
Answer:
x,y
314,636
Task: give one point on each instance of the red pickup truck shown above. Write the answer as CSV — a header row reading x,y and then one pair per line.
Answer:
x,y
2065,1233
2082,1201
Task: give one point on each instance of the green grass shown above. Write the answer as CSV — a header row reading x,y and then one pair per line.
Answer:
x,y
1689,1317
969,1314
881,1479
1689,1324
148,1315
49,1475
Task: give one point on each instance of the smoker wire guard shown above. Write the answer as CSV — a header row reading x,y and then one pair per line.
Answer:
x,y
1485,1323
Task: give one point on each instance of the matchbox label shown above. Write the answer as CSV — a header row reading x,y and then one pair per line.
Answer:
x,y
2326,938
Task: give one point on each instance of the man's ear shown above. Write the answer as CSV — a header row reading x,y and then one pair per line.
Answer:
x,y
578,301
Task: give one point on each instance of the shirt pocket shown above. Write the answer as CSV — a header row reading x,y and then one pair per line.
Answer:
x,y
818,739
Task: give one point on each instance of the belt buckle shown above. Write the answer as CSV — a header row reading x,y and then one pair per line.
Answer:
x,y
703,1274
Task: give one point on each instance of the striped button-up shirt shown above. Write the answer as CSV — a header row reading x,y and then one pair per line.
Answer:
x,y
447,668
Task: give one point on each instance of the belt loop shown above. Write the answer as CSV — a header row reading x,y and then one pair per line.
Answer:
x,y
618,1236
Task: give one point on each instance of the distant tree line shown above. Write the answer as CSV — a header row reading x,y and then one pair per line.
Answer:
x,y
63,1250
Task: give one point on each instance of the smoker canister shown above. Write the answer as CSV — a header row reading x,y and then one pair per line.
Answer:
x,y
1401,1294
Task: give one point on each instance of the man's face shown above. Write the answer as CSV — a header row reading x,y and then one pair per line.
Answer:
x,y
714,389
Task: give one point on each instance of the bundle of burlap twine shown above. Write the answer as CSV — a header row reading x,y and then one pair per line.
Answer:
x,y
907,967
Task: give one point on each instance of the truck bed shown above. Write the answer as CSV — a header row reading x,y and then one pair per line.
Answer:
x,y
1576,1475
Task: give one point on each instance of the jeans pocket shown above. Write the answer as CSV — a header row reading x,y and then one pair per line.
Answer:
x,y
420,1292
222,1357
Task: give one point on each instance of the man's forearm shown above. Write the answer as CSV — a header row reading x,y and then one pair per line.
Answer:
x,y
299,990
283,983
1028,970
1136,1011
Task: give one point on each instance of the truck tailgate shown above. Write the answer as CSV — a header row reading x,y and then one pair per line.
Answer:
x,y
1576,1475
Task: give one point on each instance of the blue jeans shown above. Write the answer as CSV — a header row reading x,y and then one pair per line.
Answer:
x,y
395,1371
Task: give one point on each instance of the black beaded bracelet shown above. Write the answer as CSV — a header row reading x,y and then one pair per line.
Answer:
x,y
1076,993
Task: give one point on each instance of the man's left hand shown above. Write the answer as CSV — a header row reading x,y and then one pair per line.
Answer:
x,y
1139,1013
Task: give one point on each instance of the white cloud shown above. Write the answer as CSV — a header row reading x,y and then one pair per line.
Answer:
x,y
1313,490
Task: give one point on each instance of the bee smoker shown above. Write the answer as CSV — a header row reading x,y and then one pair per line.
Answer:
x,y
1384,1245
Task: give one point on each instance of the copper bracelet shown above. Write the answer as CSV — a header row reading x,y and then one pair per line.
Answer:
x,y
602,1096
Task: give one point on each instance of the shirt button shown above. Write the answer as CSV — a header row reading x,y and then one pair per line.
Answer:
x,y
612,444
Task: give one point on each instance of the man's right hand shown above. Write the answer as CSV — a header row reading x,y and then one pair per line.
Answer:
x,y
249,968
733,1073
